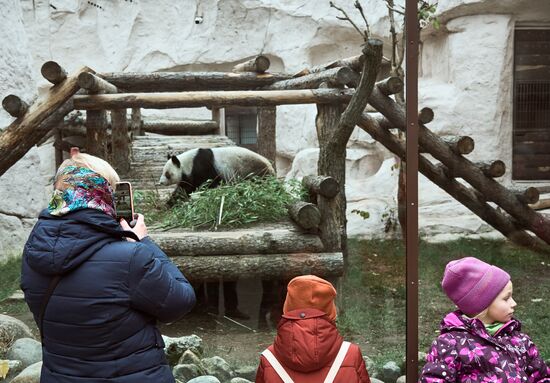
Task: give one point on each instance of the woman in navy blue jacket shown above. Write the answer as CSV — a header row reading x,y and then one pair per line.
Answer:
x,y
113,284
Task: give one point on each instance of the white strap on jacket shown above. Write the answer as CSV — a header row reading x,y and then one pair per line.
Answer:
x,y
279,369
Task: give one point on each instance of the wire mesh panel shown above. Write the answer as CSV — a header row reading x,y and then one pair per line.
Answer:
x,y
241,126
531,138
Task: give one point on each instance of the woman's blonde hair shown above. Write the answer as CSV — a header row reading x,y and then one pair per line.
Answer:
x,y
94,163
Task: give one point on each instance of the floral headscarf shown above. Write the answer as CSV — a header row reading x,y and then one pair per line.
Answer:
x,y
81,188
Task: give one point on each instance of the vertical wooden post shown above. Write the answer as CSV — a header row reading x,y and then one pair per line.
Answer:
x,y
137,124
218,115
120,141
58,137
267,145
331,163
96,133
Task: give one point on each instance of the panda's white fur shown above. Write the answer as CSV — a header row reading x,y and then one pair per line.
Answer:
x,y
229,163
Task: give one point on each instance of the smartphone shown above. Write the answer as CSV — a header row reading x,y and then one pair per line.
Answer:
x,y
124,201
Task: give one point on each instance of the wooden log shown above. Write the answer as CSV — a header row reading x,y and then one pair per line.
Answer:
x,y
335,77
326,186
214,99
354,62
543,189
14,105
191,81
96,133
137,123
492,168
305,214
528,195
258,64
25,132
58,137
95,84
526,217
264,266
460,144
267,146
120,142
378,128
243,241
66,143
425,115
53,72
390,85
541,204
181,127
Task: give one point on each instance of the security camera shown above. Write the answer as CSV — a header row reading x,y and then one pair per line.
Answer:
x,y
198,19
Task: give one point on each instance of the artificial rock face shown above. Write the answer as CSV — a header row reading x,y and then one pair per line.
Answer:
x,y
465,76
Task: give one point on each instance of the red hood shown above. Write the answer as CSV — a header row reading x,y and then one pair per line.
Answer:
x,y
306,340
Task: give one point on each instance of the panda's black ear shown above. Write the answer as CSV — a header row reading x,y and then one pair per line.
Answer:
x,y
175,161
168,156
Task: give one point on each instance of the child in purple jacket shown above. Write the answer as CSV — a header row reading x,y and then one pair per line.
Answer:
x,y
481,341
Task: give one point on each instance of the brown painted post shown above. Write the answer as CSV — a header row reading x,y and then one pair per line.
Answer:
x,y
411,239
267,145
120,142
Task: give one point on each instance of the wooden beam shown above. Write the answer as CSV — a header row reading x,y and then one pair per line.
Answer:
x,y
460,144
95,84
53,72
492,168
354,62
96,133
137,123
191,81
243,241
425,115
213,99
120,141
305,214
181,127
528,195
14,105
264,266
378,128
258,64
326,186
267,144
390,85
462,167
335,77
25,132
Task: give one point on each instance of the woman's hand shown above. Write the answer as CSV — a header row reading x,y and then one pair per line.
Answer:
x,y
139,228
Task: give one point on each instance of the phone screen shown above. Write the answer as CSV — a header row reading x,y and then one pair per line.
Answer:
x,y
124,201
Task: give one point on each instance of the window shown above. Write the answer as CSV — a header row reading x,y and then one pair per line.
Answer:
x,y
241,126
531,131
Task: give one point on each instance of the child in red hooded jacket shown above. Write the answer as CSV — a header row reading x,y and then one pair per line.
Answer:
x,y
308,347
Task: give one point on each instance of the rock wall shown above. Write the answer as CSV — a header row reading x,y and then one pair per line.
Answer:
x,y
466,77
23,190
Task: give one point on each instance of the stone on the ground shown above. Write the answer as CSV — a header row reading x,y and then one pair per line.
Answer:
x,y
402,379
247,372
30,374
218,367
14,368
421,362
27,350
175,347
189,357
12,329
371,367
375,380
205,379
239,380
186,372
390,372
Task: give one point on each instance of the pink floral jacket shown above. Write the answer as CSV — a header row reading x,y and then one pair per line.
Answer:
x,y
466,353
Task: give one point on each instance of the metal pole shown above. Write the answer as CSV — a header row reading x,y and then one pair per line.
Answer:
x,y
411,97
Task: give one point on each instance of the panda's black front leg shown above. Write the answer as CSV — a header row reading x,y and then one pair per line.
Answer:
x,y
177,195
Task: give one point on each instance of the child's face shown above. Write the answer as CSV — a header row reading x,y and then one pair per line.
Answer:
x,y
502,308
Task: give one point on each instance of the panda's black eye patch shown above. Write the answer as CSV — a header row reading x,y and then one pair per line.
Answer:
x,y
167,175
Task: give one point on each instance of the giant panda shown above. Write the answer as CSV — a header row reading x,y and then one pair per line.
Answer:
x,y
194,167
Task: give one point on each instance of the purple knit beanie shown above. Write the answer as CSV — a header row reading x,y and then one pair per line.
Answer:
x,y
473,284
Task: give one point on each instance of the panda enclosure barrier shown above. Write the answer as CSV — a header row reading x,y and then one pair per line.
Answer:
x,y
279,253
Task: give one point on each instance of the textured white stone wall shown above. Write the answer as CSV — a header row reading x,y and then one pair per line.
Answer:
x,y
22,188
466,73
